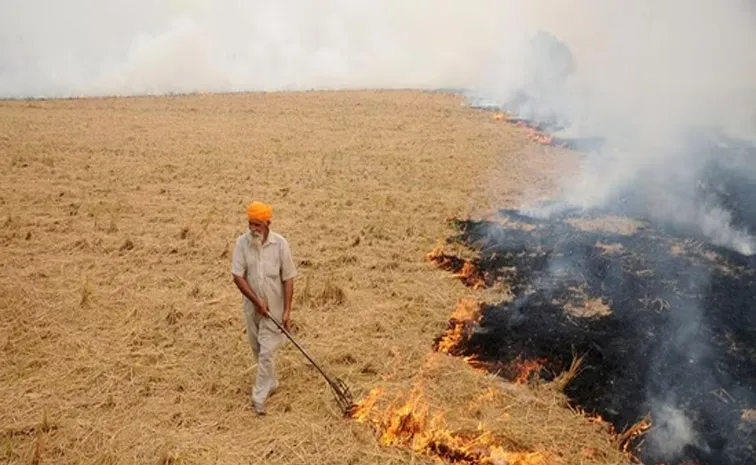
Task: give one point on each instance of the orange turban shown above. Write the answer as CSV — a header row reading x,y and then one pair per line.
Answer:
x,y
259,211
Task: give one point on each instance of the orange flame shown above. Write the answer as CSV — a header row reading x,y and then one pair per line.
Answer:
x,y
412,426
470,275
535,135
463,269
467,311
451,339
363,408
438,256
634,431
526,369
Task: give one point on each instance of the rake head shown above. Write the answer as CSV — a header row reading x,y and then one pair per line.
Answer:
x,y
343,395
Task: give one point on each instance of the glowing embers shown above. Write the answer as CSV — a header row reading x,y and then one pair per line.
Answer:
x,y
465,270
411,424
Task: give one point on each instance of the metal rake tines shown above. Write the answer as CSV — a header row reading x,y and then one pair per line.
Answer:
x,y
342,394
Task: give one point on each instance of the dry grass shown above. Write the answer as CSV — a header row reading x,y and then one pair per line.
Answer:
x,y
589,308
120,330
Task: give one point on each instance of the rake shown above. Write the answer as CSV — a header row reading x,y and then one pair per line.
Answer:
x,y
341,391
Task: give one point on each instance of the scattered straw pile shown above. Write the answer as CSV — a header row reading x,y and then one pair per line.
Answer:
x,y
121,334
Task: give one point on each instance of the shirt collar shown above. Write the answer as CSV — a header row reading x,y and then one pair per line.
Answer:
x,y
272,238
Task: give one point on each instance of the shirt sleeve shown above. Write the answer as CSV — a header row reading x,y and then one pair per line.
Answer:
x,y
288,269
238,263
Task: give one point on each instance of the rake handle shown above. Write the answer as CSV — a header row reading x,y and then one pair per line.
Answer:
x,y
304,352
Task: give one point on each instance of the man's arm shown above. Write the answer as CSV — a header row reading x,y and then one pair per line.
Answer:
x,y
247,291
288,297
288,273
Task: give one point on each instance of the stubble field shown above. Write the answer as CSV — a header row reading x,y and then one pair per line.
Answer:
x,y
121,334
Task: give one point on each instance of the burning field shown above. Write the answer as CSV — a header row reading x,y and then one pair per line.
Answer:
x,y
551,342
654,331
121,335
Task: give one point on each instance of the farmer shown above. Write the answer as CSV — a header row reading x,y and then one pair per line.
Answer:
x,y
263,270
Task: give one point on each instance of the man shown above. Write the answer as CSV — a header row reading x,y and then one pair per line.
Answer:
x,y
264,272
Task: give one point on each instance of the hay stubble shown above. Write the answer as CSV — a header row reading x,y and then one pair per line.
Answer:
x,y
121,334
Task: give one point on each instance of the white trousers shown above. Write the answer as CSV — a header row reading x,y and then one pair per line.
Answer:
x,y
264,339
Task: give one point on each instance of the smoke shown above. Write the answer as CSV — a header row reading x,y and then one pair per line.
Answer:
x,y
653,80
110,47
673,432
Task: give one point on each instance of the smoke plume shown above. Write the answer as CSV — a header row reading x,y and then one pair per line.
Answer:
x,y
110,47
666,86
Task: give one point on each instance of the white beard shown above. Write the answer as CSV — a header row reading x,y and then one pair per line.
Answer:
x,y
257,239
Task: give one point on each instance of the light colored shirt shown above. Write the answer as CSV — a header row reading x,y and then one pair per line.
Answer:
x,y
264,269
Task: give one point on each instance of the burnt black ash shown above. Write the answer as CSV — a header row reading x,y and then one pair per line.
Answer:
x,y
678,342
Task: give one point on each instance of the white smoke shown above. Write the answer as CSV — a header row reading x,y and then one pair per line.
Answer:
x,y
111,47
646,74
673,431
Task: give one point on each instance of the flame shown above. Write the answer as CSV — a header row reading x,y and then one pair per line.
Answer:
x,y
467,311
463,269
534,134
437,254
470,275
634,431
526,369
451,339
539,137
406,423
363,408
411,425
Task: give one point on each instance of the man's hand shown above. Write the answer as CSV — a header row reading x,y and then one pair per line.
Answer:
x,y
287,321
262,308
260,305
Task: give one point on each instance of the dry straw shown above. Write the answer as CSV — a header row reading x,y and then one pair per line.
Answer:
x,y
121,335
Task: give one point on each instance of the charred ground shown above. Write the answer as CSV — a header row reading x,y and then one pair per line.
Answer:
x,y
675,339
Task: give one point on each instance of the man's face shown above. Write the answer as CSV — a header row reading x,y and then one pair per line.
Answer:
x,y
258,228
